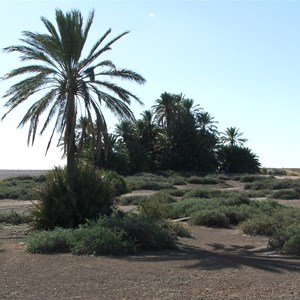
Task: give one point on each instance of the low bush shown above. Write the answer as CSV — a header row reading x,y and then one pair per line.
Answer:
x,y
267,207
56,241
262,184
287,240
157,206
281,184
202,193
15,218
259,225
203,180
178,228
116,182
132,200
20,187
97,240
238,214
250,178
145,181
210,218
176,192
59,207
277,172
186,207
178,182
287,194
233,199
118,234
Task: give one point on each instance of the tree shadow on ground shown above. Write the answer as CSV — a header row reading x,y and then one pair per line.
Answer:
x,y
222,257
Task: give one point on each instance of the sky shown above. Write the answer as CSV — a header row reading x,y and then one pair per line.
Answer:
x,y
239,60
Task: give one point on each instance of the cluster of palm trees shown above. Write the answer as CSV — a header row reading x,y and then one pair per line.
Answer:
x,y
72,89
174,135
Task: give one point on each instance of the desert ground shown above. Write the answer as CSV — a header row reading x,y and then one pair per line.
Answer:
x,y
214,264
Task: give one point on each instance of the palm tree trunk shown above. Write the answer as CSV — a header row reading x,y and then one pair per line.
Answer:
x,y
71,146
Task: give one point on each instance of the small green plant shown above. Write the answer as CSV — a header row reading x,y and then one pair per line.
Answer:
x,y
132,200
259,225
287,194
118,234
287,239
97,240
210,218
157,206
58,207
21,187
178,228
250,178
116,182
277,172
203,180
56,241
15,218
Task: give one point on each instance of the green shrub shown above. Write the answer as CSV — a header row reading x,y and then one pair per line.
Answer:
x,y
259,225
233,199
118,234
211,218
97,240
186,207
176,192
59,207
292,245
178,182
147,233
56,241
287,194
250,178
132,200
14,218
156,206
277,172
116,182
238,214
281,184
202,193
178,228
268,207
287,239
263,184
203,180
145,181
264,171
21,187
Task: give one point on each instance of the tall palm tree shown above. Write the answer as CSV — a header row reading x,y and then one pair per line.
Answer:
x,y
206,122
232,136
66,83
165,109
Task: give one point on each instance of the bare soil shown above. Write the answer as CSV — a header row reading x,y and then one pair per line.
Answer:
x,y
215,264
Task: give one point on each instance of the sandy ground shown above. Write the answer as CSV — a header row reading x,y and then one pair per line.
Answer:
x,y
215,264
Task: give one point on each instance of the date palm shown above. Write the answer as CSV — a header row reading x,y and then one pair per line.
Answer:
x,y
232,137
65,84
165,109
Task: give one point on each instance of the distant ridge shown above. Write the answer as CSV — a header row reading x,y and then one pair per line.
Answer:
x,y
13,173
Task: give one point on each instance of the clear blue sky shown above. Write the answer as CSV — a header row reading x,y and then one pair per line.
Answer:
x,y
239,60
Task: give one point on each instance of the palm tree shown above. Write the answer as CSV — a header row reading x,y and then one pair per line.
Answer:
x,y
165,109
206,122
64,82
232,136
